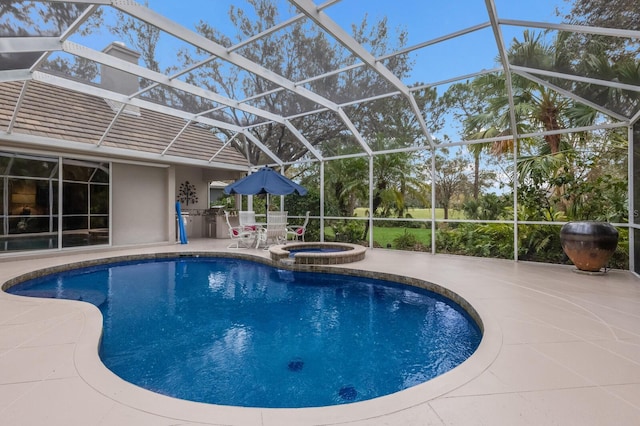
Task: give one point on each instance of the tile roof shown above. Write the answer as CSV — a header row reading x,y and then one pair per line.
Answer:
x,y
63,114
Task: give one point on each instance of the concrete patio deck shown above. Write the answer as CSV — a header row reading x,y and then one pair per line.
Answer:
x,y
559,348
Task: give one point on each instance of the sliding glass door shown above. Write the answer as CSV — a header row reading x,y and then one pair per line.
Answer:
x,y
35,189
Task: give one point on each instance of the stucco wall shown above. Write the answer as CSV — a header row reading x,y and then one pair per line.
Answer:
x,y
193,175
196,227
140,204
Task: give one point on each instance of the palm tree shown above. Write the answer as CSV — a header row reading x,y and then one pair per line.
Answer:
x,y
597,64
537,107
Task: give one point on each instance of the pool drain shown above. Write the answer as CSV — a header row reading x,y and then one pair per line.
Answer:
x,y
348,393
295,364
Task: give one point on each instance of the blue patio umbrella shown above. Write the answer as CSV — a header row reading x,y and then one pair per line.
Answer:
x,y
265,181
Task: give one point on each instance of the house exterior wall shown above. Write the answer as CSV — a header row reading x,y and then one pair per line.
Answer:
x,y
142,196
141,204
197,224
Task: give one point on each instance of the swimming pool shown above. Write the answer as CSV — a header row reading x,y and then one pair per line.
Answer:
x,y
236,332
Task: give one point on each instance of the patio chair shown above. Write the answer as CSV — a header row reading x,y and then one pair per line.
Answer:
x,y
248,220
297,232
239,235
275,231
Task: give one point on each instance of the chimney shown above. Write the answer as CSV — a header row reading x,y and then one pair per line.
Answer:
x,y
116,80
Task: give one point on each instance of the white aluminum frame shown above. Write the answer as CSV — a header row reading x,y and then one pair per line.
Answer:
x,y
308,10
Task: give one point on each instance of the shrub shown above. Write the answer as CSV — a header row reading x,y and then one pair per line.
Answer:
x,y
348,231
490,240
405,241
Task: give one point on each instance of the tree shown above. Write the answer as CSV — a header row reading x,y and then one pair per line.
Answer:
x,y
596,186
23,18
543,160
487,207
26,18
606,57
466,101
609,14
388,125
140,36
451,179
346,185
597,63
537,107
484,109
301,52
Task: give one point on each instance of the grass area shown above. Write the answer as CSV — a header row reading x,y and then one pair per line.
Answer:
x,y
384,236
420,213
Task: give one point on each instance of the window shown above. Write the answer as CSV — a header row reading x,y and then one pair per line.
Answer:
x,y
29,202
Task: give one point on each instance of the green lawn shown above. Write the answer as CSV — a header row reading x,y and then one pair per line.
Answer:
x,y
384,236
420,213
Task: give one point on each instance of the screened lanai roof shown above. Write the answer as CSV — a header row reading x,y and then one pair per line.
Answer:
x,y
283,81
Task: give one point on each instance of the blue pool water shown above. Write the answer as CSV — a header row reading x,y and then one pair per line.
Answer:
x,y
235,332
293,252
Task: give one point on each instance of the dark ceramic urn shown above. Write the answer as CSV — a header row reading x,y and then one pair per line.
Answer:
x,y
588,244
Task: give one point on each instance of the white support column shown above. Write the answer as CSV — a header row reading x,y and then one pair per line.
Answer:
x,y
59,201
171,196
5,203
16,109
281,171
631,197
110,221
497,33
322,200
370,201
515,197
433,201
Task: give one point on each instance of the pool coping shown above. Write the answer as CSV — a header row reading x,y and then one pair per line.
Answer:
x,y
91,369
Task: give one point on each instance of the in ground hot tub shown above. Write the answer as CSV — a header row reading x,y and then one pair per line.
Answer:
x,y
317,253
